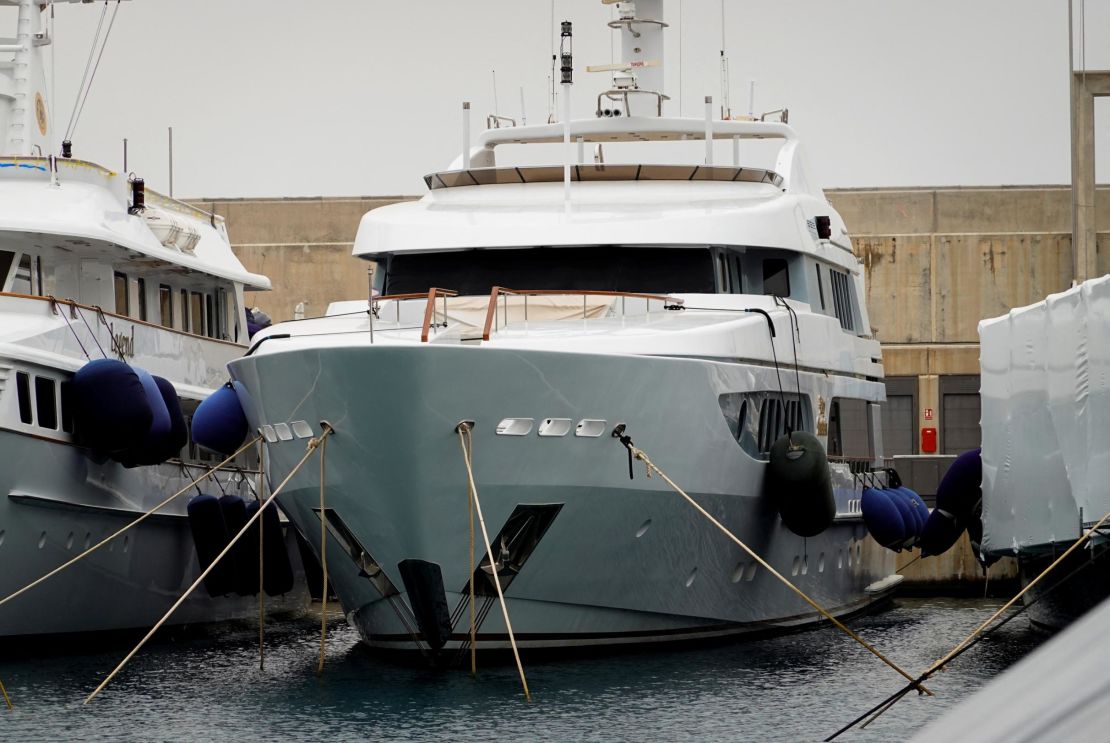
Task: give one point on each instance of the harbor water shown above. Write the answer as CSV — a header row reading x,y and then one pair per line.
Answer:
x,y
799,687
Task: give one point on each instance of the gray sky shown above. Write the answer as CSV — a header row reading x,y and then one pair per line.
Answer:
x,y
362,97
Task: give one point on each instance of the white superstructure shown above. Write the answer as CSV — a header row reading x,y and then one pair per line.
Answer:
x,y
709,306
88,273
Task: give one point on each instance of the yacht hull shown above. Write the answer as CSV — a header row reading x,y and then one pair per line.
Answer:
x,y
593,557
55,502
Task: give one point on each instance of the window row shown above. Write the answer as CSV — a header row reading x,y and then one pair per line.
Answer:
x,y
50,405
201,313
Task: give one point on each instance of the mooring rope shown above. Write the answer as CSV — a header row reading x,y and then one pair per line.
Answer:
x,y
261,532
877,711
54,303
639,454
323,556
473,598
313,444
465,441
136,522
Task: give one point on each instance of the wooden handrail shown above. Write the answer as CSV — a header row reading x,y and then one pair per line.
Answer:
x,y
487,327
432,295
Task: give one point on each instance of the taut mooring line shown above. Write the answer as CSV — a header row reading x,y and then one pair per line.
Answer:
x,y
464,431
323,553
7,701
312,446
261,558
136,522
877,711
639,454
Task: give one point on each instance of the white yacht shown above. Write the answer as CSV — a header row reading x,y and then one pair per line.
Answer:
x,y
708,307
89,271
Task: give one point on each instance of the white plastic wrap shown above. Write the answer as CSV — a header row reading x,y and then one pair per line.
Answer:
x,y
1046,419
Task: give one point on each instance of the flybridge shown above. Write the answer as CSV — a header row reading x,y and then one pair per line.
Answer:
x,y
480,166
630,111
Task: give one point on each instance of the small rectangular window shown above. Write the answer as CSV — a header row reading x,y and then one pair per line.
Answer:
x,y
123,304
225,314
776,277
66,394
196,312
210,315
185,310
842,299
140,285
7,257
46,406
820,288
165,306
23,390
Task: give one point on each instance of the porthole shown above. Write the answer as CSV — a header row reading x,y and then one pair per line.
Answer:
x,y
515,426
821,563
69,541
690,579
302,430
42,540
555,427
805,564
283,432
268,433
589,428
643,528
749,572
797,565
2,532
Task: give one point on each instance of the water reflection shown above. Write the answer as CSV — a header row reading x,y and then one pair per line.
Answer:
x,y
796,687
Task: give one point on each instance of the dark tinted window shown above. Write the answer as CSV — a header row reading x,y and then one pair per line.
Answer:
x,y
776,277
6,258
165,306
122,303
842,298
599,268
23,390
820,287
185,310
45,404
210,314
141,284
196,313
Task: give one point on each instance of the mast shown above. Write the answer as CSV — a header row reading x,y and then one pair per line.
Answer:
x,y
24,123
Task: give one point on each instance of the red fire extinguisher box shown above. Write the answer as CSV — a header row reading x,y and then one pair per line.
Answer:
x,y
928,441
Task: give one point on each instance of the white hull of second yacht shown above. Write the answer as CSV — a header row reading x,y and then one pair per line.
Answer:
x,y
590,556
59,502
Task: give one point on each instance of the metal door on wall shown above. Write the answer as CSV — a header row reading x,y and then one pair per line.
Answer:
x,y
900,416
960,412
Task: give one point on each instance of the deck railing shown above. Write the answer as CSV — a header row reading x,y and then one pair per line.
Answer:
x,y
492,324
494,320
429,296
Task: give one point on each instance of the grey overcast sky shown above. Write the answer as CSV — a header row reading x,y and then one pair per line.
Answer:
x,y
362,97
